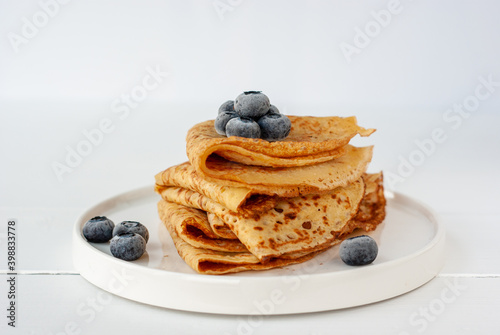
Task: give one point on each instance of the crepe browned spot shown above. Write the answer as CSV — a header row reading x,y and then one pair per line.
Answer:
x,y
294,224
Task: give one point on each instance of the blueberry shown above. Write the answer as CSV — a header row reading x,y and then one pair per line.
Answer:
x,y
127,246
242,127
221,121
274,127
98,229
273,110
131,227
251,104
359,250
227,106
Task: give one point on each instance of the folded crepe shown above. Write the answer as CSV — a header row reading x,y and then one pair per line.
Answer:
x,y
193,227
314,158
242,181
219,227
234,198
207,257
294,224
370,214
216,262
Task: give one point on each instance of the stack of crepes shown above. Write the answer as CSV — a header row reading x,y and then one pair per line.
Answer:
x,y
248,204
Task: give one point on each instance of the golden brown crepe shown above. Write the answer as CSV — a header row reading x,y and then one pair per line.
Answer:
x,y
314,158
209,259
219,227
241,181
216,263
293,181
234,198
256,158
372,208
192,226
294,224
310,137
370,214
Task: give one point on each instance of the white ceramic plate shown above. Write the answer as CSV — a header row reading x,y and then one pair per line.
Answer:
x,y
411,252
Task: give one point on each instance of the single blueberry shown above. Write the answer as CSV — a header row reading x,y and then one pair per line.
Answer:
x,y
127,246
274,127
273,110
98,229
227,106
251,104
221,121
243,127
359,250
131,227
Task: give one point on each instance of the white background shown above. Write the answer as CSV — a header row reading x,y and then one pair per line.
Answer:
x,y
65,68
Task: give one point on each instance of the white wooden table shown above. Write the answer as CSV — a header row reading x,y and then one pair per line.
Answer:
x,y
458,178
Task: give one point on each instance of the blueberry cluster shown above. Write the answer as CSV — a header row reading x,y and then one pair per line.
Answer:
x,y
128,239
359,250
251,115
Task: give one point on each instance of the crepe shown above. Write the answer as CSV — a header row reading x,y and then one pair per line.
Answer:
x,y
242,181
234,198
256,158
370,214
193,227
293,181
372,208
310,138
314,158
210,259
213,262
295,224
219,227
